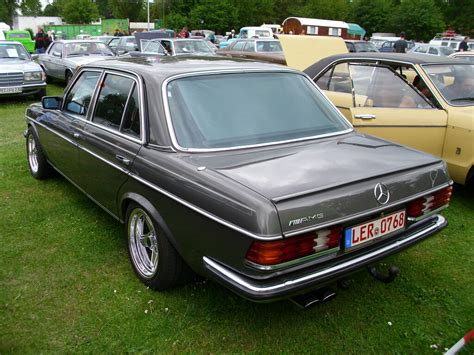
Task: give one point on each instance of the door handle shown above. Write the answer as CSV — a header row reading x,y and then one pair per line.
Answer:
x,y
123,160
365,116
76,135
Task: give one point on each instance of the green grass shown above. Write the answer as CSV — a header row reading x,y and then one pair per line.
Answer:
x,y
66,284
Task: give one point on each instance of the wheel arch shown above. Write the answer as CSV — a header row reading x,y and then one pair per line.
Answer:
x,y
130,197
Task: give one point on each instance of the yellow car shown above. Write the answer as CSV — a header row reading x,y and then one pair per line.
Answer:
x,y
424,102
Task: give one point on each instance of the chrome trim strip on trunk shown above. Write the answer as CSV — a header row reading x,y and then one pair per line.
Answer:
x,y
253,287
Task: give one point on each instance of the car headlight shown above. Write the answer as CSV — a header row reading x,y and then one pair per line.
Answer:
x,y
33,76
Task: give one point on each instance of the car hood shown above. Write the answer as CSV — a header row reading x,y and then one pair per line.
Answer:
x,y
13,65
323,176
88,59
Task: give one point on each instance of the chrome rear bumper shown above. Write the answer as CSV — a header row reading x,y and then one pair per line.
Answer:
x,y
290,284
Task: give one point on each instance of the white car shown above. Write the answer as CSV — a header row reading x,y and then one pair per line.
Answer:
x,y
430,49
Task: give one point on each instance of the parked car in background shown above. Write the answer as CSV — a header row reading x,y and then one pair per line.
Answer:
x,y
268,50
266,205
24,37
255,32
425,102
83,36
176,47
431,49
469,56
113,43
126,44
19,74
62,58
360,46
105,39
452,42
388,46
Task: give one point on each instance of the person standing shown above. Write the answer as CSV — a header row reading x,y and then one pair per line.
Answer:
x,y
401,45
463,47
232,35
184,33
41,41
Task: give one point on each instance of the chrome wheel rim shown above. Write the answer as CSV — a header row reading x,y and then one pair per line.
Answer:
x,y
143,243
32,154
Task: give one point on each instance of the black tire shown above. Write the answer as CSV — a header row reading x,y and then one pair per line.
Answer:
x,y
168,269
68,77
37,163
39,95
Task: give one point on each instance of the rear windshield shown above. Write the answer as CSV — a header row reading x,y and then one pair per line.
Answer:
x,y
235,110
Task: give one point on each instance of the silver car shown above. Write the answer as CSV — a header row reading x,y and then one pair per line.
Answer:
x,y
62,58
19,74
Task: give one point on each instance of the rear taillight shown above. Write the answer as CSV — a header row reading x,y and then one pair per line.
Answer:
x,y
279,251
429,203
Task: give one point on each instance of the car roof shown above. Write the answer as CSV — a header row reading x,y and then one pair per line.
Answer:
x,y
10,42
78,41
160,68
410,58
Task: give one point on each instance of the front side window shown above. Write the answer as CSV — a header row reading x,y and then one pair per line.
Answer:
x,y
79,97
113,97
248,109
379,86
433,51
455,82
336,79
57,49
152,47
238,46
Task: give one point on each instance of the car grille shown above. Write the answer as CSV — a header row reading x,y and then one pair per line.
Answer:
x,y
11,79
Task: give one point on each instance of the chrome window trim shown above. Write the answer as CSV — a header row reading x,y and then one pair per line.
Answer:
x,y
248,285
240,71
368,212
141,98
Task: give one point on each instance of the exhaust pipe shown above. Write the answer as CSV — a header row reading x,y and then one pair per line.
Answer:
x,y
312,298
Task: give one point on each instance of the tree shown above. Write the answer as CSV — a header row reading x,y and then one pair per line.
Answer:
x,y
419,19
459,15
131,9
323,9
373,15
30,8
51,10
79,11
260,11
7,11
217,15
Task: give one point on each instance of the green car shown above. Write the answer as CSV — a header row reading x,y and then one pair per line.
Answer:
x,y
23,37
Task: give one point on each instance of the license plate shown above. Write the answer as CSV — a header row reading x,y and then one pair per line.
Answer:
x,y
374,229
13,90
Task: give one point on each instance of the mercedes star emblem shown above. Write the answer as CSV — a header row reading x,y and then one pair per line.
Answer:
x,y
381,193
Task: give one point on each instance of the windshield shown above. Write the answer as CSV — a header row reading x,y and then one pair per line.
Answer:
x,y
454,81
269,46
86,48
365,47
9,51
248,109
194,46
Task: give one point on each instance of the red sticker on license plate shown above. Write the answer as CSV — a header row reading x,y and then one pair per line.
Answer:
x,y
374,229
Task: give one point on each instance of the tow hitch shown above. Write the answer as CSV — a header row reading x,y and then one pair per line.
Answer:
x,y
393,272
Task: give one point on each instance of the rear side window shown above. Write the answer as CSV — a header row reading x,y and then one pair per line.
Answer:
x,y
117,105
79,97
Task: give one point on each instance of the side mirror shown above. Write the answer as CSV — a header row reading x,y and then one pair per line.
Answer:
x,y
57,54
34,56
51,102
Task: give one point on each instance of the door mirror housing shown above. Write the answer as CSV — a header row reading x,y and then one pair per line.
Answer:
x,y
51,102
34,56
57,54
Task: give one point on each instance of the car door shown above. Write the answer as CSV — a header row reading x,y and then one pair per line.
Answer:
x,y
61,129
50,59
111,138
378,101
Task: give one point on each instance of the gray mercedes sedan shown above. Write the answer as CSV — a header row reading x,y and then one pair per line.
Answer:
x,y
268,191
62,58
19,74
